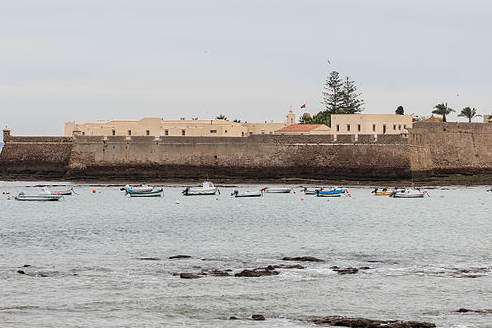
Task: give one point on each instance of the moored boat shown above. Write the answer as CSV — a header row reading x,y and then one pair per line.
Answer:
x,y
336,192
152,193
408,193
207,188
277,190
247,193
137,189
381,192
311,190
44,195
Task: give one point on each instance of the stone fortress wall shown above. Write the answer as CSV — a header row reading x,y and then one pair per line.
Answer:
x,y
431,148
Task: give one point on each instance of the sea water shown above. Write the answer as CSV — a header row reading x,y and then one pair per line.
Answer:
x,y
427,258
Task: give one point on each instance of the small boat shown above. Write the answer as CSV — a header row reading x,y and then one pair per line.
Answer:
x,y
142,188
64,192
247,193
311,190
382,192
336,192
408,193
44,195
277,190
152,193
207,188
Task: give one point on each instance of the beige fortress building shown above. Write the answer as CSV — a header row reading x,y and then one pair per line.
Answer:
x,y
345,124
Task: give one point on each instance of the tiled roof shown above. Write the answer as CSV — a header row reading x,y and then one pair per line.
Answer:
x,y
432,119
300,128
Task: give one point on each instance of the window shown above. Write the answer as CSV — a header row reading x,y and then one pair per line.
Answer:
x,y
183,132
348,127
147,132
212,131
358,127
384,129
225,131
405,126
338,127
399,126
113,132
242,134
129,132
83,133
166,132
394,126
374,127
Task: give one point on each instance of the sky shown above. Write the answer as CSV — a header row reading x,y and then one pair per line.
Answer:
x,y
253,60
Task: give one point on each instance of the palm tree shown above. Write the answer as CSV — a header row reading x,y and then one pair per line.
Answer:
x,y
442,109
221,117
469,113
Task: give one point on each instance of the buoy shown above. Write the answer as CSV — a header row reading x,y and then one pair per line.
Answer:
x,y
302,198
93,191
176,202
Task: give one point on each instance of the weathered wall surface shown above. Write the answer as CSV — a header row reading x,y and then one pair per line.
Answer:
x,y
42,156
455,147
258,157
432,148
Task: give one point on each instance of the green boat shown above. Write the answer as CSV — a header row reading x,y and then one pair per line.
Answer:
x,y
153,193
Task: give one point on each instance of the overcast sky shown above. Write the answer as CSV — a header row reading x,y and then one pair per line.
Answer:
x,y
87,60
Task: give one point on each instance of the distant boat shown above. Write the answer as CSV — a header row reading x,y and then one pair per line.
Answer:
x,y
336,192
247,193
277,190
152,193
64,192
382,192
408,193
137,189
311,190
44,195
207,188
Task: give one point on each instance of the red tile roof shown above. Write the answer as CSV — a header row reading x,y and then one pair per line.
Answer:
x,y
432,119
300,128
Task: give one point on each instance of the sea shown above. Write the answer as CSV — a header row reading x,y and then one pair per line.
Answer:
x,y
98,258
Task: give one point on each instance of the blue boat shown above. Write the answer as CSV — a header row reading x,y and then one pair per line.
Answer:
x,y
330,193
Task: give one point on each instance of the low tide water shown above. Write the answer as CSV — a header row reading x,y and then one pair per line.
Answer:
x,y
427,258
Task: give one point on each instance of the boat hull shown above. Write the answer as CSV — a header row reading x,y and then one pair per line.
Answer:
x,y
245,195
155,193
278,190
408,196
39,198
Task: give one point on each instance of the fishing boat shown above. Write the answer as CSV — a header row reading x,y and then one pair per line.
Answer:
x,y
336,192
382,192
408,193
207,188
44,195
277,190
64,192
311,190
247,193
152,193
137,189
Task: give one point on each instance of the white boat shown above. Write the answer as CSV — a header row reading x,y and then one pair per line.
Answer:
x,y
44,195
408,193
142,188
63,192
277,190
311,190
152,193
207,188
247,193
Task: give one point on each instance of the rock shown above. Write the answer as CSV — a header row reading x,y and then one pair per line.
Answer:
x,y
370,323
179,257
186,275
149,258
365,268
26,265
465,310
302,259
256,273
288,266
346,270
258,317
21,272
233,318
44,275
219,273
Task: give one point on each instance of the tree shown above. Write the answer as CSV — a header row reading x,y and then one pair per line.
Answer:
x,y
469,113
443,110
350,98
332,94
400,111
221,117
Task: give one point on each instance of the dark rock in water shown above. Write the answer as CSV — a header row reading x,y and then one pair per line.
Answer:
x,y
334,267
149,258
256,273
258,317
44,275
26,265
219,273
465,310
179,257
370,323
21,272
233,318
303,259
187,275
288,266
346,270
365,268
